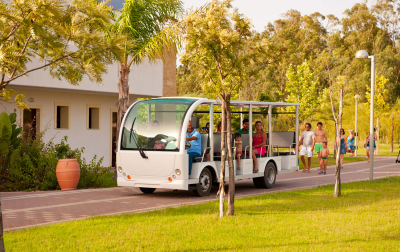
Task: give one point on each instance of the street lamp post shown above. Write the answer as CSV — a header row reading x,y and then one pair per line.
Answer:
x,y
356,97
362,54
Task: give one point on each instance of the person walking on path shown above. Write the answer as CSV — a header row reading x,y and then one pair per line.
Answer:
x,y
343,146
324,157
308,142
259,142
350,142
368,144
320,137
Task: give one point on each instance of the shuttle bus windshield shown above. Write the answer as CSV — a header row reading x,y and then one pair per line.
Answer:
x,y
155,125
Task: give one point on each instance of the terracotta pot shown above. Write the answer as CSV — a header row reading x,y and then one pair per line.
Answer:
x,y
68,173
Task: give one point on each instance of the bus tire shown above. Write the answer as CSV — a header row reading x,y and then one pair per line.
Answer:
x,y
256,182
268,181
147,190
203,188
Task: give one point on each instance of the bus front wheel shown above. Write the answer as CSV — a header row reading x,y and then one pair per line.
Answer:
x,y
147,190
203,188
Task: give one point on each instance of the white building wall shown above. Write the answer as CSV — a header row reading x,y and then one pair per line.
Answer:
x,y
145,79
96,142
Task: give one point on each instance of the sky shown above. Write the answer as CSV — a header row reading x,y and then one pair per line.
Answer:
x,y
261,12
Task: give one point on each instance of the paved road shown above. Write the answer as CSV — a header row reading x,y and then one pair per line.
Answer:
x,y
28,209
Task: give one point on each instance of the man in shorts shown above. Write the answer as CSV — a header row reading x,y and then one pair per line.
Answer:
x,y
308,142
320,137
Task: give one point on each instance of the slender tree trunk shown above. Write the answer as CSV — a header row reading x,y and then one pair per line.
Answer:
x,y
337,191
221,191
334,150
2,249
231,198
123,100
377,135
391,148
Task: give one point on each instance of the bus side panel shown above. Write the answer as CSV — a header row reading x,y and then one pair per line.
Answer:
x,y
198,167
182,163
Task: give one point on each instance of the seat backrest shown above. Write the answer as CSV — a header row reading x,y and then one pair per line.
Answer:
x,y
217,142
283,139
204,138
245,142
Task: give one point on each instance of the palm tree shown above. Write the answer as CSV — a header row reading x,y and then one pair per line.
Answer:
x,y
150,27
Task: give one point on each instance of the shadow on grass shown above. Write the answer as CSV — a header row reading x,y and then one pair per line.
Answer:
x,y
266,247
297,202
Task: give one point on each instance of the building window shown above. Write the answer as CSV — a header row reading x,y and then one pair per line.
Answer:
x,y
62,115
93,116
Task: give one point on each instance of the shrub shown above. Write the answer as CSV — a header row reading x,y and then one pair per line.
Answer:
x,y
32,166
92,174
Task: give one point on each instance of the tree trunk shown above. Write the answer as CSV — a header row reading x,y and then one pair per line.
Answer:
x,y
231,193
221,191
377,135
334,150
391,148
2,249
337,191
123,100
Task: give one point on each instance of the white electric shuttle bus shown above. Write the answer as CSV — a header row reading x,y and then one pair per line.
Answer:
x,y
152,146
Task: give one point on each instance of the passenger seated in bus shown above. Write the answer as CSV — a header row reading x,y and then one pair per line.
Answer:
x,y
259,140
152,124
219,125
205,130
245,129
194,138
158,145
238,147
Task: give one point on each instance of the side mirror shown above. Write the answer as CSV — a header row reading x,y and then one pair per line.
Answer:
x,y
195,122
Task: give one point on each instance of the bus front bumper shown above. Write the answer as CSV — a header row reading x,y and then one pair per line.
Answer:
x,y
175,184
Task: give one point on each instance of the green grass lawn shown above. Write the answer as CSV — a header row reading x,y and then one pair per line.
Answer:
x,y
384,150
365,218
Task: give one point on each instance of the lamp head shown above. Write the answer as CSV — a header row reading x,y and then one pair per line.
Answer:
x,y
356,96
362,54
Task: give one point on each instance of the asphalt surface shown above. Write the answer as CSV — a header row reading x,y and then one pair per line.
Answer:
x,y
29,209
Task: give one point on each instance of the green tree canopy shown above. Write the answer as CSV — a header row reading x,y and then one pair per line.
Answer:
x,y
301,87
70,38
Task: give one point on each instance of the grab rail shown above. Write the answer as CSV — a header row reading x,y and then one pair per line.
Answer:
x,y
245,150
204,152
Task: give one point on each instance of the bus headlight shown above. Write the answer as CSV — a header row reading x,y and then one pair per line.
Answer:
x,y
119,169
124,174
178,172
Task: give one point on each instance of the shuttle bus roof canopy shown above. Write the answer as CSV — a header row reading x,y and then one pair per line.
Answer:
x,y
240,104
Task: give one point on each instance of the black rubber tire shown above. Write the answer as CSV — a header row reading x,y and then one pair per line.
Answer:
x,y
256,182
147,190
268,181
203,188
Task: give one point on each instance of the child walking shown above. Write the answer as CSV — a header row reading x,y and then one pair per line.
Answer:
x,y
324,157
238,146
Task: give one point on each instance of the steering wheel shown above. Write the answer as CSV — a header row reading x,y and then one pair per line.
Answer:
x,y
187,145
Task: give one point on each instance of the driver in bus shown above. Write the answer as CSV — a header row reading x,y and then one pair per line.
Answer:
x,y
194,138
